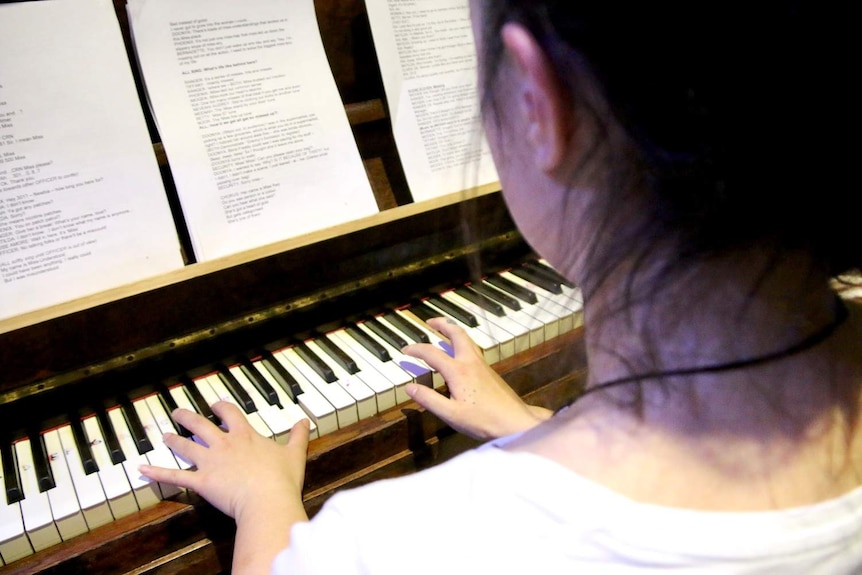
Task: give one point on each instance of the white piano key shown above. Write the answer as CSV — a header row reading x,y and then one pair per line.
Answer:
x,y
534,322
318,409
165,425
550,322
575,297
568,298
275,418
88,488
222,393
65,508
35,507
416,368
289,408
436,379
487,343
389,369
146,492
344,404
383,388
160,455
14,544
496,326
366,402
180,398
113,477
547,303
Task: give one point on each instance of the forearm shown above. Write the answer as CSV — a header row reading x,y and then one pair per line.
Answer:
x,y
262,532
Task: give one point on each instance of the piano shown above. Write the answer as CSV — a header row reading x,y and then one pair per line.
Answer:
x,y
309,327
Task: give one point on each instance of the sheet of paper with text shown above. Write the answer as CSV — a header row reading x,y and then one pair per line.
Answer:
x,y
428,62
82,204
252,123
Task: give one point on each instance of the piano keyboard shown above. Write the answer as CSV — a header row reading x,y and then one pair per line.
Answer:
x,y
65,481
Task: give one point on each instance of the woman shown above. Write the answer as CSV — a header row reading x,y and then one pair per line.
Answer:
x,y
673,159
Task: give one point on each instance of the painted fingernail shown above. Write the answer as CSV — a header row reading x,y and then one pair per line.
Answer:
x,y
450,351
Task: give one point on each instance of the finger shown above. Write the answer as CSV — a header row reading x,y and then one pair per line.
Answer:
x,y
434,357
433,401
461,340
299,433
197,424
230,414
297,442
180,477
185,448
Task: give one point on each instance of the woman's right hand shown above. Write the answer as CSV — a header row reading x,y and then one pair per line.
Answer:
x,y
480,403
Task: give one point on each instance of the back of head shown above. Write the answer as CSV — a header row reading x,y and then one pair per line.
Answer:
x,y
735,109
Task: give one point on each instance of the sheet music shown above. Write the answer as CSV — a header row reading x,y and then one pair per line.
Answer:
x,y
428,62
82,204
251,119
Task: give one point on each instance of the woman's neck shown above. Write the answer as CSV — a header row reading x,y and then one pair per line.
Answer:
x,y
778,434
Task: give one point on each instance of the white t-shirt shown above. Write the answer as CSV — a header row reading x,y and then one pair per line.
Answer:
x,y
492,511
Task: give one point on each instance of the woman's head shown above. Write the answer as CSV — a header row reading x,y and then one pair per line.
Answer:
x,y
706,127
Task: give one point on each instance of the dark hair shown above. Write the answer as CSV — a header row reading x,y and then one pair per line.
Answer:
x,y
733,108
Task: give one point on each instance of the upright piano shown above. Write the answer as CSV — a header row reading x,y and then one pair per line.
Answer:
x,y
85,386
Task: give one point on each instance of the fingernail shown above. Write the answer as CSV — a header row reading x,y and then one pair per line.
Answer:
x,y
410,389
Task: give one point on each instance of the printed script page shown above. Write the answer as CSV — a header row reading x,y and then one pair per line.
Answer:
x,y
82,204
251,120
428,62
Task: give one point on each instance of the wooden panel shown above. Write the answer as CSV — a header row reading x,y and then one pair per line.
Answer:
x,y
123,546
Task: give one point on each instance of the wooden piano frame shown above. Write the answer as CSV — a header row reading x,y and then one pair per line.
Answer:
x,y
120,340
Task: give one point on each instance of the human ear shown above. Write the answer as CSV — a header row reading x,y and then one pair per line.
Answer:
x,y
540,97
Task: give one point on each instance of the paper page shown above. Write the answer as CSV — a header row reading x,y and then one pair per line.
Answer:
x,y
428,63
251,120
82,204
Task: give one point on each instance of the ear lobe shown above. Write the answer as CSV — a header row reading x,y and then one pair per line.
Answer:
x,y
541,98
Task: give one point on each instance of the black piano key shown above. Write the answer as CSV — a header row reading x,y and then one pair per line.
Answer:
x,y
385,333
14,491
549,272
538,279
319,366
236,390
425,312
136,426
513,289
281,375
259,382
112,442
483,302
83,446
41,464
455,311
497,296
368,343
170,405
198,402
338,355
407,327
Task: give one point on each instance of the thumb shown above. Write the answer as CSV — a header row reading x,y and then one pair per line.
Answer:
x,y
298,437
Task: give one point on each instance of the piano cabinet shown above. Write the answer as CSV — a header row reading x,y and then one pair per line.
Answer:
x,y
88,352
